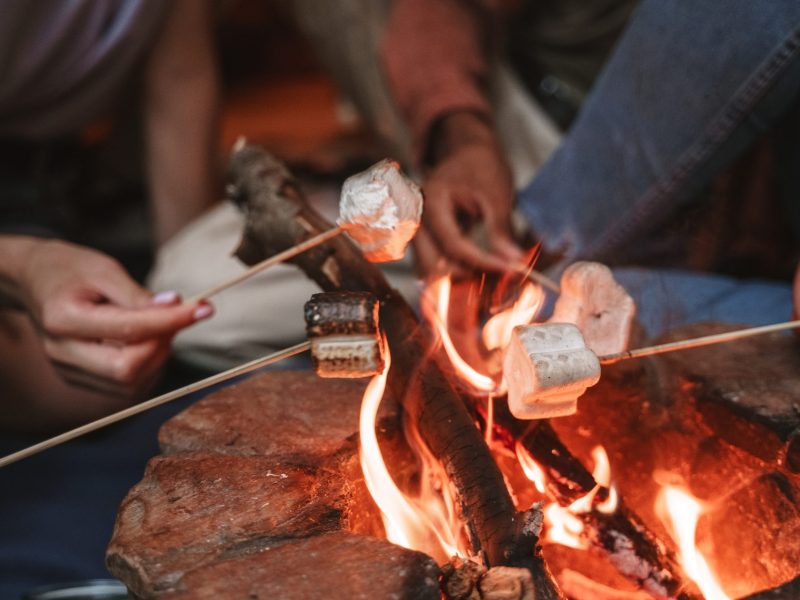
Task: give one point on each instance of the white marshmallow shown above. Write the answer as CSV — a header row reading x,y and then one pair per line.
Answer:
x,y
600,307
546,368
381,210
347,356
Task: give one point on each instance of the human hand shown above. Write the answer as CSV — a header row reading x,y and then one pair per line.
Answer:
x,y
469,183
99,328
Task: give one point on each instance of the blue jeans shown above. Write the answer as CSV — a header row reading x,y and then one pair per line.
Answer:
x,y
690,85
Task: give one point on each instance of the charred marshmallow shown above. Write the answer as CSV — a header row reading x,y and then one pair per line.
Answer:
x,y
343,330
600,307
547,367
381,210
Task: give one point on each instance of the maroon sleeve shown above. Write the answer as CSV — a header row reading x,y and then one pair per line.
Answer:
x,y
434,57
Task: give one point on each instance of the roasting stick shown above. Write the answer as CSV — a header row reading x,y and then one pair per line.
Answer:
x,y
157,401
380,209
708,340
548,366
343,336
270,262
538,277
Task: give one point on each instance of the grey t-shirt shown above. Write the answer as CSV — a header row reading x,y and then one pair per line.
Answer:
x,y
63,61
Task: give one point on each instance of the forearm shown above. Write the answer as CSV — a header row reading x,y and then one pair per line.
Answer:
x,y
435,59
181,103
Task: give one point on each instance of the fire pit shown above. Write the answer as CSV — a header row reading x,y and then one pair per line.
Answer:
x,y
271,488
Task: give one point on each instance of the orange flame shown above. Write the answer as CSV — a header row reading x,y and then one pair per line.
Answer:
x,y
428,523
602,475
497,331
563,526
435,307
680,512
531,468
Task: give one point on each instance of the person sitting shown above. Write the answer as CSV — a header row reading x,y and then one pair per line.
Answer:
x,y
674,105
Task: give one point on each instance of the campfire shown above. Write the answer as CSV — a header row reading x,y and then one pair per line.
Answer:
x,y
666,482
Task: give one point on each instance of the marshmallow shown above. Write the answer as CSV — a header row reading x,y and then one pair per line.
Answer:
x,y
381,210
600,307
546,368
343,330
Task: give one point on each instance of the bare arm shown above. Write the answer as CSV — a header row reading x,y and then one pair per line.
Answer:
x,y
181,106
97,326
435,57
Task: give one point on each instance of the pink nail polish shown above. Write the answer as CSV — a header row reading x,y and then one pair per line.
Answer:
x,y
203,311
163,298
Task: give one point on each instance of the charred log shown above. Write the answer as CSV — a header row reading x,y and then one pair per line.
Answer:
x,y
788,591
277,217
621,535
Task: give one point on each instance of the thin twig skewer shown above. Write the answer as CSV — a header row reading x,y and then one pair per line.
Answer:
x,y
269,262
708,340
537,277
157,401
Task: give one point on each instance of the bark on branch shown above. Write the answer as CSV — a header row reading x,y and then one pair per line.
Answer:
x,y
277,217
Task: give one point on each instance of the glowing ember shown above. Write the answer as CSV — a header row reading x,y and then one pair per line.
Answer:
x,y
428,523
563,525
680,512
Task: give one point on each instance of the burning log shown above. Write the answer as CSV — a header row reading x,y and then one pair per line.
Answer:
x,y
620,535
788,591
470,580
278,218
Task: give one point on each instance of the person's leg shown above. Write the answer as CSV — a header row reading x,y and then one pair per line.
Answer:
x,y
689,86
34,396
667,299
57,508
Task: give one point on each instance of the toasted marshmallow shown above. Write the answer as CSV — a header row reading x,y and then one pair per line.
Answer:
x,y
546,368
343,330
599,306
381,210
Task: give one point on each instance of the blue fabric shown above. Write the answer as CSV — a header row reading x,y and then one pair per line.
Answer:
x,y
690,85
57,509
669,299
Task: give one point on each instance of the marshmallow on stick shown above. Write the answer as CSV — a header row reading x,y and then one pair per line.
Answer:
x,y
343,330
599,306
381,210
547,367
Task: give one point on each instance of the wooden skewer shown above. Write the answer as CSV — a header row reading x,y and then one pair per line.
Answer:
x,y
157,401
538,277
718,338
269,262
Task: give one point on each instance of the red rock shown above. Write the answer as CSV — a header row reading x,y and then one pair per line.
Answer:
x,y
192,509
336,566
283,414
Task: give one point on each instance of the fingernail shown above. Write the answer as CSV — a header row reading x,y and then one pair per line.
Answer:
x,y
203,311
162,298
